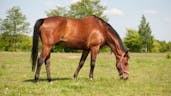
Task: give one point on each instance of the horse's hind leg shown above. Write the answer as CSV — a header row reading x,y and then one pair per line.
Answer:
x,y
39,64
81,63
47,63
45,53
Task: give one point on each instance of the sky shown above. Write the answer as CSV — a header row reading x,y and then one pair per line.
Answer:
x,y
122,14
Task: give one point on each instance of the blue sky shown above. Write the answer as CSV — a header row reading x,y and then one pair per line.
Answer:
x,y
122,14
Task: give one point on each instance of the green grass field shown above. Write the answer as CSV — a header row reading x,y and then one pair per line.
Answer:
x,y
150,75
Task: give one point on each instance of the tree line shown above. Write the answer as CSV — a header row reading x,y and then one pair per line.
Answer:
x,y
142,40
14,29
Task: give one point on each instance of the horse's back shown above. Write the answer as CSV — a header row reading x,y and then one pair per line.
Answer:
x,y
78,33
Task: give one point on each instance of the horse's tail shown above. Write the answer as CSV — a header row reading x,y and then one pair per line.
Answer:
x,y
35,43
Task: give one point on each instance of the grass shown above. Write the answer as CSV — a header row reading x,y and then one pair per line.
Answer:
x,y
150,75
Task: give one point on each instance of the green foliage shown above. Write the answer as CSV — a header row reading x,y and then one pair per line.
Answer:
x,y
132,41
161,46
168,56
57,48
79,9
106,49
12,27
87,8
148,76
59,11
169,46
156,46
23,44
145,35
143,41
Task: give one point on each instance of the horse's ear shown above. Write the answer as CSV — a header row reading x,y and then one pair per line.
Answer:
x,y
126,53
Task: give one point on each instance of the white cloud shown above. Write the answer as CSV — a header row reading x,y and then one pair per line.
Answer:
x,y
151,12
114,11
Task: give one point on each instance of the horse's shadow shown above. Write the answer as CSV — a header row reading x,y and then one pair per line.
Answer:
x,y
43,79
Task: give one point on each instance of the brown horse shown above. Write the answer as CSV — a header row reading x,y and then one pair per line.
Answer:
x,y
88,34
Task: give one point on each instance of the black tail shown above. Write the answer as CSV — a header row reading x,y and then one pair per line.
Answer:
x,y
35,42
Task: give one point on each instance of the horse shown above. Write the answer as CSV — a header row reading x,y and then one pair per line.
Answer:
x,y
90,33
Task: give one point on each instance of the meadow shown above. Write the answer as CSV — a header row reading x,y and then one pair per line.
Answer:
x,y
150,75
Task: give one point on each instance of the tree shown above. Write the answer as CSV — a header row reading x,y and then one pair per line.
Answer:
x,y
169,46
0,26
145,35
156,46
79,9
59,11
164,46
86,8
132,40
11,27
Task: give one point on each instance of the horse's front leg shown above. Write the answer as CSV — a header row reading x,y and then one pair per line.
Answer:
x,y
94,52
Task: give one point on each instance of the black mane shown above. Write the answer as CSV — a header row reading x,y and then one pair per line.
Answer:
x,y
113,31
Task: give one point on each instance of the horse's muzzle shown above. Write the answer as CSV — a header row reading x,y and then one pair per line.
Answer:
x,y
124,76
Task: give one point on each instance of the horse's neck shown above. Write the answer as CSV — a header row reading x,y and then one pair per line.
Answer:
x,y
114,43
117,51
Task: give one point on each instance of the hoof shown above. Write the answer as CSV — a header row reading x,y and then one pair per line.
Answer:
x,y
75,76
91,78
36,79
49,80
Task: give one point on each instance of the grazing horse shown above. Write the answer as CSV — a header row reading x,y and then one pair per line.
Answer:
x,y
88,34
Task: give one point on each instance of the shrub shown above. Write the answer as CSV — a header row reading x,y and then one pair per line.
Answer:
x,y
168,56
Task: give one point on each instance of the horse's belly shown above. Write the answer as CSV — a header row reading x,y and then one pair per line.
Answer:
x,y
73,45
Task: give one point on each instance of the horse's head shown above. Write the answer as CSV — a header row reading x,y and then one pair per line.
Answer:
x,y
122,66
